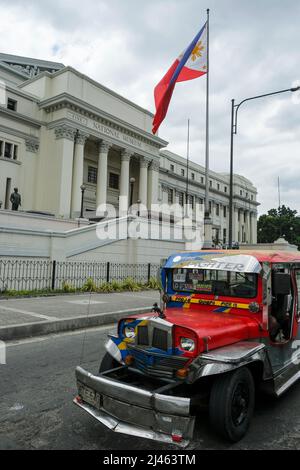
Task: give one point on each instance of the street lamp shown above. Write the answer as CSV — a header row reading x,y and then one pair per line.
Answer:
x,y
83,188
132,181
234,114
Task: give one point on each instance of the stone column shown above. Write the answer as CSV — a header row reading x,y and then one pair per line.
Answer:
x,y
143,182
236,225
153,183
65,148
254,227
124,185
77,179
247,228
101,191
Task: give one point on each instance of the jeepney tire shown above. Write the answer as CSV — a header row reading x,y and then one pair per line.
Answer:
x,y
108,363
231,403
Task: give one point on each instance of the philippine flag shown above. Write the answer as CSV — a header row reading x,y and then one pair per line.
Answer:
x,y
192,63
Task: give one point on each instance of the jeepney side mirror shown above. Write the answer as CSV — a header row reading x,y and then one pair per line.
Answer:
x,y
281,284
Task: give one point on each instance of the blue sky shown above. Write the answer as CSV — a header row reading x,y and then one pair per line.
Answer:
x,y
128,45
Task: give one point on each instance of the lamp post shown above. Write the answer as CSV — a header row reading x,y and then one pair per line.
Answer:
x,y
132,181
83,188
234,114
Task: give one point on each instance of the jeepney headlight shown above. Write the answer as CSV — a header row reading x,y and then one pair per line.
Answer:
x,y
129,331
187,344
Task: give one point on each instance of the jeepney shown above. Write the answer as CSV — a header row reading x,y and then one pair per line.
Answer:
x,y
228,325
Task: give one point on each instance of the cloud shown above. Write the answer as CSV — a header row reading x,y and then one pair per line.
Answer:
x,y
128,45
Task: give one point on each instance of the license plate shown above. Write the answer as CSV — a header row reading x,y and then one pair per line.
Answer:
x,y
89,396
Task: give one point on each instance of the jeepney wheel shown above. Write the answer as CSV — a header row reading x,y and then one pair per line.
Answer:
x,y
231,403
108,363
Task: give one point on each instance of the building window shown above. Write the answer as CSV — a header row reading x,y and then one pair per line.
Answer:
x,y
218,186
191,201
182,172
8,150
251,197
11,104
1,148
170,196
193,176
15,152
225,211
114,180
210,184
217,210
225,189
210,207
224,235
202,180
241,192
180,198
92,175
172,168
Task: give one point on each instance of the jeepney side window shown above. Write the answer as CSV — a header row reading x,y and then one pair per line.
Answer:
x,y
297,273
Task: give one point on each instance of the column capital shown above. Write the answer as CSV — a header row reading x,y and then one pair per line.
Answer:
x,y
81,137
154,165
65,132
144,162
104,146
32,145
126,155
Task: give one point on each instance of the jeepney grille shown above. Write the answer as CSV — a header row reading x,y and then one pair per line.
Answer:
x,y
143,336
160,339
157,365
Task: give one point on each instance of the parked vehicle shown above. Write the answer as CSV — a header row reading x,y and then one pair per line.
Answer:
x,y
228,324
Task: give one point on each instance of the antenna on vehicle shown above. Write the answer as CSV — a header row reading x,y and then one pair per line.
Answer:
x,y
85,330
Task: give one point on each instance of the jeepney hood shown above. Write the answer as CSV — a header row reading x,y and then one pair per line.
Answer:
x,y
221,329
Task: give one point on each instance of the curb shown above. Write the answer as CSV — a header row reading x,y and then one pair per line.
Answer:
x,y
27,330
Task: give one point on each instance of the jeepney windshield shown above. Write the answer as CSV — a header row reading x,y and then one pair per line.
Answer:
x,y
215,282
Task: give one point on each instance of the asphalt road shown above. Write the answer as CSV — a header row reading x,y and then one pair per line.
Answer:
x,y
36,410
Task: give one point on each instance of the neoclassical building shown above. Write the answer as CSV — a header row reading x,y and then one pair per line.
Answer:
x,y
59,130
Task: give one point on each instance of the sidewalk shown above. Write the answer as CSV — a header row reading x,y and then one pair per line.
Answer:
x,y
22,318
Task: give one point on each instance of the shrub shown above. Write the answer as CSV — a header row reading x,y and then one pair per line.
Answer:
x,y
89,286
66,287
106,287
153,284
131,285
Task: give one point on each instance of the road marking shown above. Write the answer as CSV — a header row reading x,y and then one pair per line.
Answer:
x,y
135,295
25,312
85,302
39,339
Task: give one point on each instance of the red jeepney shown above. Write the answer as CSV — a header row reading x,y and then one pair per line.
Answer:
x,y
228,324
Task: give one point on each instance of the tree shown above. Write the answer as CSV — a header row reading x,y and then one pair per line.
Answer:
x,y
281,222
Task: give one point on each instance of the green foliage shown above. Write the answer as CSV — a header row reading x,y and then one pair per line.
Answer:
x,y
105,288
281,222
89,286
66,287
131,285
153,284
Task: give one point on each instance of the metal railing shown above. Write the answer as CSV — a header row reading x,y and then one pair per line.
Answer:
x,y
32,274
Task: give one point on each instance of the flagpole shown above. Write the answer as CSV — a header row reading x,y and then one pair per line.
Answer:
x,y
187,163
207,219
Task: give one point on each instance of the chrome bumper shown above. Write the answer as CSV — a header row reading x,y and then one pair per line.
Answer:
x,y
134,411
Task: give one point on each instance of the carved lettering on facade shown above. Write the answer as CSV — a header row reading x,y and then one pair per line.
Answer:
x,y
109,132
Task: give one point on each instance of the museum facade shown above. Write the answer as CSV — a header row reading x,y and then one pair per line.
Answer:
x,y
64,136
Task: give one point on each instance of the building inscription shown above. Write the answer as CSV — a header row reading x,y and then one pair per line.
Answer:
x,y
109,132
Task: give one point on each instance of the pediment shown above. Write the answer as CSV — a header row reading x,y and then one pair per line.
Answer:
x,y
28,67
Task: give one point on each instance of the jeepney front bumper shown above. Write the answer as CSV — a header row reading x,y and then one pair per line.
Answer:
x,y
134,411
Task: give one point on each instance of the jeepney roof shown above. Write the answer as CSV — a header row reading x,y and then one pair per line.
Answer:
x,y
248,261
